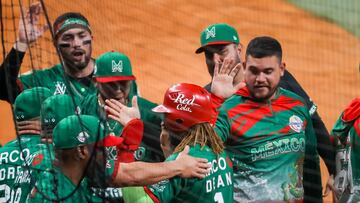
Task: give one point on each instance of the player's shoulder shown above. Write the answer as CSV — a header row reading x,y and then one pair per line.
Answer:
x,y
53,69
44,185
291,96
144,103
196,151
89,104
352,111
232,101
10,143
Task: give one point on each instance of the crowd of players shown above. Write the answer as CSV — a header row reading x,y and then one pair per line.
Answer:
x,y
251,135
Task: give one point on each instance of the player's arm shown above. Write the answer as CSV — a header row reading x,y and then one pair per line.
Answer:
x,y
325,145
9,71
142,173
29,32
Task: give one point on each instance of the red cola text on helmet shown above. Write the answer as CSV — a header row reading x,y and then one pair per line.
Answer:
x,y
184,104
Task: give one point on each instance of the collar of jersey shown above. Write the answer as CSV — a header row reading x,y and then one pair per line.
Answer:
x,y
244,92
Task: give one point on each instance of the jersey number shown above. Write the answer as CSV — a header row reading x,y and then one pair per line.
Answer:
x,y
13,196
218,197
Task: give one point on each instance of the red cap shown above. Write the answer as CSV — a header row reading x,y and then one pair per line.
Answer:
x,y
184,106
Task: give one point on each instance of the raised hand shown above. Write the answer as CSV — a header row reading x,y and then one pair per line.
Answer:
x,y
223,80
29,28
121,113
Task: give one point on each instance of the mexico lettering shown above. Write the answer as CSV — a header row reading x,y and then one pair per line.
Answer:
x,y
278,147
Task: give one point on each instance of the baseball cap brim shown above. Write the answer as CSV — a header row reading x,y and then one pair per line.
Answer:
x,y
114,78
201,49
161,109
110,141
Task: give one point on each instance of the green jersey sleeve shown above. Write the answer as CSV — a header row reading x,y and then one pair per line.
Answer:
x,y
166,190
222,125
341,129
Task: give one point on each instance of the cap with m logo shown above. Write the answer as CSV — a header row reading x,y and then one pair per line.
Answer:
x,y
113,66
217,34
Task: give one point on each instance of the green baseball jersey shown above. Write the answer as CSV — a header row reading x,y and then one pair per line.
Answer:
x,y
267,143
348,132
217,186
55,78
56,187
151,120
17,173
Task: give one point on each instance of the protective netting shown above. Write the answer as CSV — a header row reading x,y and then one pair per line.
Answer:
x,y
160,38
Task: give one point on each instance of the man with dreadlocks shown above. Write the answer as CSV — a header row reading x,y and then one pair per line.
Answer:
x,y
188,112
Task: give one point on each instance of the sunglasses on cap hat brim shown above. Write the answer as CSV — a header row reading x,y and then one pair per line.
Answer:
x,y
205,47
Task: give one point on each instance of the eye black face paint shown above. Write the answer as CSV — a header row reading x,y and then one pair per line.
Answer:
x,y
85,42
64,45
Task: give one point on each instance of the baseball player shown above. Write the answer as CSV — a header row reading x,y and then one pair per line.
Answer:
x,y
220,42
74,139
54,109
113,78
187,112
347,131
73,39
267,131
20,156
79,141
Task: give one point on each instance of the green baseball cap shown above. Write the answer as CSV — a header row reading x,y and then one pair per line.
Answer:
x,y
55,108
27,105
113,66
77,130
218,34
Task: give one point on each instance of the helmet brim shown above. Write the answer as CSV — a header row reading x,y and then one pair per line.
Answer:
x,y
161,109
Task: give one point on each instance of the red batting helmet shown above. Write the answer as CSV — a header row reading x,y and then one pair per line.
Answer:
x,y
184,106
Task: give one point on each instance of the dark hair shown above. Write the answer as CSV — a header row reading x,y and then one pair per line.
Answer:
x,y
59,20
260,47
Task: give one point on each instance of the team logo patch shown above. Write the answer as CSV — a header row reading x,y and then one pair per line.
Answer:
x,y
117,67
210,33
83,136
183,103
60,88
296,123
37,159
